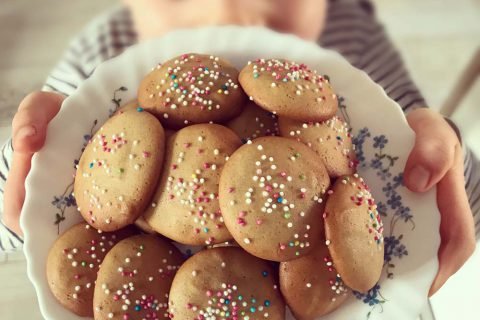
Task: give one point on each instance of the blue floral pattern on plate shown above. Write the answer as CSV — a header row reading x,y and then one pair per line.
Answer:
x,y
382,163
66,199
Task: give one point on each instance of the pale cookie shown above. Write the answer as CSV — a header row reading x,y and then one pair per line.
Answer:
x,y
119,169
289,89
131,105
135,278
185,207
354,233
141,224
311,286
225,283
254,122
271,194
192,88
330,139
73,263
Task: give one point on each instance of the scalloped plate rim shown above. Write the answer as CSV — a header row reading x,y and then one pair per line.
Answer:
x,y
251,34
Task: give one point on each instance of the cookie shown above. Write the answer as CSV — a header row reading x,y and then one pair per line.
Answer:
x,y
135,278
230,243
330,139
141,224
119,169
73,262
311,286
185,207
225,283
131,105
271,194
289,89
354,233
192,88
254,122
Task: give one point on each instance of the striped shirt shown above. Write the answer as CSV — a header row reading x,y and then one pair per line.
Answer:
x,y
351,29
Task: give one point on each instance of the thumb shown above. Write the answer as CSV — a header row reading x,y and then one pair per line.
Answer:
x,y
434,150
29,125
456,226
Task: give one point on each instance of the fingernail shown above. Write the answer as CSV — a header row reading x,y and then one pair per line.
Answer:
x,y
419,178
26,132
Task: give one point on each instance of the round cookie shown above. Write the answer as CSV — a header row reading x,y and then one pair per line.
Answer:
x,y
135,278
354,233
225,283
119,169
289,89
185,207
330,139
311,286
271,194
73,262
192,88
141,224
131,105
254,122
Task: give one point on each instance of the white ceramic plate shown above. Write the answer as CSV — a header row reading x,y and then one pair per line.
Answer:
x,y
383,142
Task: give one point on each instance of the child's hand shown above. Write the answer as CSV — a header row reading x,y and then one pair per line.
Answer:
x,y
29,128
437,159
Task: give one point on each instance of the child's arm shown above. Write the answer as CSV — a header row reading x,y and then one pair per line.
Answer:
x,y
353,30
105,37
437,158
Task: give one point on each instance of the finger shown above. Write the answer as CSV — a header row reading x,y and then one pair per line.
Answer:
x,y
29,125
14,193
433,153
457,225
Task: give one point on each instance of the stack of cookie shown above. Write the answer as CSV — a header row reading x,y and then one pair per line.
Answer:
x,y
254,167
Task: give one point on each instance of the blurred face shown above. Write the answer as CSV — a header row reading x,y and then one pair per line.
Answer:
x,y
304,18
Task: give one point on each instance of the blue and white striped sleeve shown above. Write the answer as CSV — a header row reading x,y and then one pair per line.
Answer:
x,y
8,239
353,30
105,37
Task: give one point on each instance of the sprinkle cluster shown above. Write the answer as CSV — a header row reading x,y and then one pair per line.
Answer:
x,y
364,197
86,268
335,282
266,123
267,131
133,302
227,303
275,189
195,191
339,133
105,147
281,71
190,83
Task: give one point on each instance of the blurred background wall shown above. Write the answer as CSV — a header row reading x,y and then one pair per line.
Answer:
x,y
438,39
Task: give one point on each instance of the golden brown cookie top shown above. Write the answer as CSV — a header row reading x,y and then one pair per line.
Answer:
x,y
119,169
185,207
225,283
129,106
254,122
135,278
354,232
192,88
73,263
311,285
271,194
330,139
289,89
